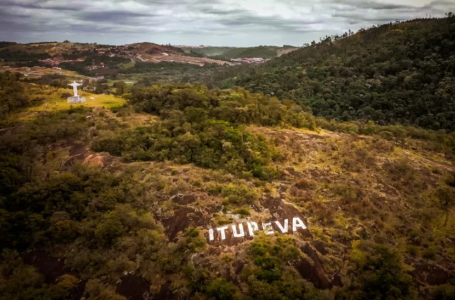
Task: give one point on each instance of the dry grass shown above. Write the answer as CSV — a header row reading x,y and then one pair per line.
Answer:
x,y
36,72
52,101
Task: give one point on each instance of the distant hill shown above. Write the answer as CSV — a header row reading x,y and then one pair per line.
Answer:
x,y
234,52
101,60
395,73
6,44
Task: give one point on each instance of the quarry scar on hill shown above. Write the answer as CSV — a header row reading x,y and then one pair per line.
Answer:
x,y
253,226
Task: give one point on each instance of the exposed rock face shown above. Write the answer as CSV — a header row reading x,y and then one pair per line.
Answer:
x,y
182,219
50,267
318,245
94,160
184,199
313,272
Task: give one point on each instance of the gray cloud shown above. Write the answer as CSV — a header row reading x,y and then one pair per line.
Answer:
x,y
217,22
116,17
39,4
375,5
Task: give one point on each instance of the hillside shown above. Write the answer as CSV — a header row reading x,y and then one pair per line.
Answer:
x,y
241,52
147,52
98,60
145,197
402,73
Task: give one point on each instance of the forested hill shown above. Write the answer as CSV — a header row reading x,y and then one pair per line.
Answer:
x,y
115,199
396,73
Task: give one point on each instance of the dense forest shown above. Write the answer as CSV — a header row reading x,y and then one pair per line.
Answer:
x,y
204,127
401,73
111,64
21,58
227,53
12,93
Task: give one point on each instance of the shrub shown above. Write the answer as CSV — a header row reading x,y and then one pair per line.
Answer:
x,y
383,145
220,289
305,184
212,144
380,272
242,211
413,250
401,172
239,194
443,292
348,193
429,253
65,95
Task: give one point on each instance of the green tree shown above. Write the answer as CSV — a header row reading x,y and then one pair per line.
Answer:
x,y
380,273
120,88
220,289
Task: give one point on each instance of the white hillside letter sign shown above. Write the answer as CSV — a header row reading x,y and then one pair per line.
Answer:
x,y
252,227
241,230
222,231
296,222
267,227
240,233
285,227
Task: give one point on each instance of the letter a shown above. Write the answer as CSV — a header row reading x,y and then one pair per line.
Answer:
x,y
296,222
283,229
221,230
241,232
252,227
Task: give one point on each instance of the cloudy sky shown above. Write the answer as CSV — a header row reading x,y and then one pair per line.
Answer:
x,y
196,22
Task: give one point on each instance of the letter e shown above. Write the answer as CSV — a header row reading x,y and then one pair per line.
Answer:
x,y
252,227
267,227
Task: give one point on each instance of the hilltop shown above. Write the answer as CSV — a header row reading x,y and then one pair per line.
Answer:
x,y
401,73
115,199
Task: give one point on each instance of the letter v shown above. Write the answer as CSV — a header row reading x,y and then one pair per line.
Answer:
x,y
283,229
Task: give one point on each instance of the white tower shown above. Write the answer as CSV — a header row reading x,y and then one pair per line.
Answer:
x,y
76,98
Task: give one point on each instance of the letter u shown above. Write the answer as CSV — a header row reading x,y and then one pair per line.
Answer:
x,y
241,233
